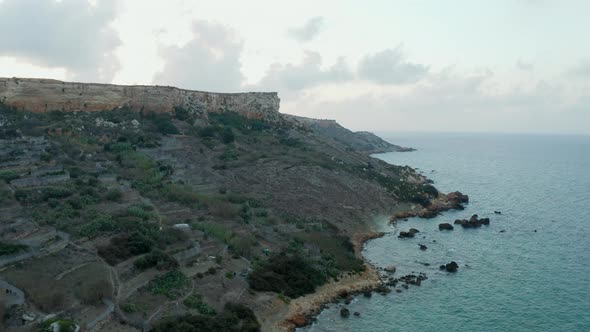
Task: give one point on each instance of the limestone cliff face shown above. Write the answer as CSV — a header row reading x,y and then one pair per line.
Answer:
x,y
43,95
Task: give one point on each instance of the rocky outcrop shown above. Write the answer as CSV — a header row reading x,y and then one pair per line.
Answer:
x,y
444,202
44,95
445,226
473,222
410,233
450,267
344,312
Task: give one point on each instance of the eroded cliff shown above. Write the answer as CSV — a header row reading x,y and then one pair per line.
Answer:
x,y
44,95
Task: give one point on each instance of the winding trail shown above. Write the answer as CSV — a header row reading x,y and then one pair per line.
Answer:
x,y
177,301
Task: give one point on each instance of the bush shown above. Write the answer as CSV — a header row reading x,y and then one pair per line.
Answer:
x,y
289,274
170,284
125,246
11,249
235,317
181,113
156,258
180,194
8,176
140,211
216,230
65,325
195,301
163,123
227,135
99,223
114,195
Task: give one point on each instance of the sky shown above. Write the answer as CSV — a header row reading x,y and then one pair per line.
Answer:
x,y
447,66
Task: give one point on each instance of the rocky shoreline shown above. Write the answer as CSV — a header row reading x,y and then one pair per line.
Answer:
x,y
303,311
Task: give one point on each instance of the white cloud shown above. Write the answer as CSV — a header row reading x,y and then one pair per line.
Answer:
x,y
69,34
581,70
450,101
524,66
390,67
307,74
308,31
209,61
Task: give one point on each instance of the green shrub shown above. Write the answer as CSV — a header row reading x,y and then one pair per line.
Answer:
x,y
99,223
170,284
114,195
140,211
180,194
11,249
229,155
118,147
125,246
129,308
8,176
163,123
65,325
290,274
234,318
227,135
195,301
156,258
181,113
218,231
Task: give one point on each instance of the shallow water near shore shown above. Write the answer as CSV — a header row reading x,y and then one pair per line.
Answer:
x,y
516,280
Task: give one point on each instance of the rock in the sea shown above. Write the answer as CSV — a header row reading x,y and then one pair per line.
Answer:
x,y
344,312
423,247
445,226
442,267
348,301
473,222
368,294
410,233
391,269
497,212
451,267
357,314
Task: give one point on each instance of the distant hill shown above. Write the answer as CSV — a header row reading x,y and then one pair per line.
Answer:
x,y
362,141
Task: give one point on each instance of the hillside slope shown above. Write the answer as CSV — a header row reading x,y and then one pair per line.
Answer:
x,y
211,216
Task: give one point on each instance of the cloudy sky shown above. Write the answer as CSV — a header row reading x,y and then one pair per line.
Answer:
x,y
455,65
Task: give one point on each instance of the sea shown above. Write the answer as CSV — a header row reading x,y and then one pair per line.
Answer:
x,y
529,270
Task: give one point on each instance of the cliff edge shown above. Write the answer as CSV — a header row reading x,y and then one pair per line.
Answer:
x,y
45,95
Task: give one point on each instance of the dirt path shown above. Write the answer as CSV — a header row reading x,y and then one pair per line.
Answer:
x,y
177,301
68,271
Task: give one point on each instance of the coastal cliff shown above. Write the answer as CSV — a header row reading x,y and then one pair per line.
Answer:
x,y
45,95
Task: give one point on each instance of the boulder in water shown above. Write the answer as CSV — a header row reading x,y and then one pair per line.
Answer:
x,y
391,269
344,312
451,267
445,226
410,233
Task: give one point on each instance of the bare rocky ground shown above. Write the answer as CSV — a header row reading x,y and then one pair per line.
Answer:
x,y
210,204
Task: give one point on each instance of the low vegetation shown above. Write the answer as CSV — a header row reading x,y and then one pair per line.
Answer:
x,y
158,259
11,249
172,284
233,318
196,302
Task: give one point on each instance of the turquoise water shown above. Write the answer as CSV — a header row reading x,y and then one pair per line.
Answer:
x,y
518,280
